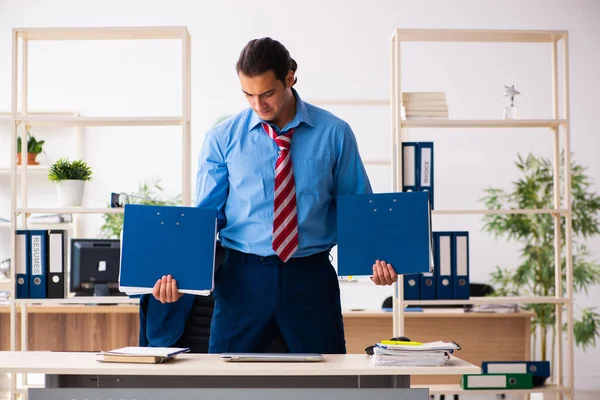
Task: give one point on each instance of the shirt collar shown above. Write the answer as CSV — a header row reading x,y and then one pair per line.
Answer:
x,y
302,115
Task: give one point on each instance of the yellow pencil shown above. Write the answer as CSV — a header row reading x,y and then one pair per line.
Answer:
x,y
401,343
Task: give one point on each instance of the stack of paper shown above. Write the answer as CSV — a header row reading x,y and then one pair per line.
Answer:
x,y
141,355
495,308
432,354
424,105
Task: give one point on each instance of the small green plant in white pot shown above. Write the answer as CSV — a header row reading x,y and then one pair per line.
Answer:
x,y
70,177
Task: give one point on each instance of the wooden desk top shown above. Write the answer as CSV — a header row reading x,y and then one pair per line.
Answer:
x,y
435,313
75,363
76,309
134,309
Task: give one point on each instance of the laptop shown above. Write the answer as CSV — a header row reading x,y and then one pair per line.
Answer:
x,y
272,357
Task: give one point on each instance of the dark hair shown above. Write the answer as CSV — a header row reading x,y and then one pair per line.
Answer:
x,y
265,54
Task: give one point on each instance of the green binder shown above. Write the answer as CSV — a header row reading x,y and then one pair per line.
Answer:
x,y
496,381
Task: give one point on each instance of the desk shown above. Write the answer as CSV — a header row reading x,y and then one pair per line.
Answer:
x,y
209,371
483,336
74,327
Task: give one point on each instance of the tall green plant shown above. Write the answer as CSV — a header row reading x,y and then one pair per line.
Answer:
x,y
535,276
149,192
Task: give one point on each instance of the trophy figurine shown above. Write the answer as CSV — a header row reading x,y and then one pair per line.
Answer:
x,y
511,111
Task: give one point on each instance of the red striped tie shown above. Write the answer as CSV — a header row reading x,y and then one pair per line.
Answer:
x,y
285,222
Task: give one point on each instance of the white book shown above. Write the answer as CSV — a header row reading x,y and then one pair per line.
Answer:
x,y
424,96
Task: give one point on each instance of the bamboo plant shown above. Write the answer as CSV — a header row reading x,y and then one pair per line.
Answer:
x,y
535,233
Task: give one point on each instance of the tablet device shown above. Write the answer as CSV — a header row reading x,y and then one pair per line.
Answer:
x,y
273,357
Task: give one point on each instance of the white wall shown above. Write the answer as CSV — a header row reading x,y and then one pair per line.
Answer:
x,y
342,49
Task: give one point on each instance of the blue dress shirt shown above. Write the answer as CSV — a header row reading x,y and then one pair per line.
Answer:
x,y
236,175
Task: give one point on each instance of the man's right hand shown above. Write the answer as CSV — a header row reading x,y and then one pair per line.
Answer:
x,y
165,290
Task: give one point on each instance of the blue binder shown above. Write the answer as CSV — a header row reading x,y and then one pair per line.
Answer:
x,y
535,368
410,165
443,265
428,279
412,287
22,264
38,256
425,174
395,227
168,240
461,263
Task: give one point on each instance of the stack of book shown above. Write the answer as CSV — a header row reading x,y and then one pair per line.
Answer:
x,y
392,353
141,355
424,105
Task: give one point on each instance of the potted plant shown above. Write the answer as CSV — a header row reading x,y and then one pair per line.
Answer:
x,y
70,177
34,147
535,275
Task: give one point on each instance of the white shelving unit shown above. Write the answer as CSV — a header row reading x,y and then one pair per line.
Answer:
x,y
38,170
399,127
20,40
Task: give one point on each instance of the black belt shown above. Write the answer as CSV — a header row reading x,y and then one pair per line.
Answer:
x,y
247,257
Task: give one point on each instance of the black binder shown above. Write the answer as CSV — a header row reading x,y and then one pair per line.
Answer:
x,y
57,261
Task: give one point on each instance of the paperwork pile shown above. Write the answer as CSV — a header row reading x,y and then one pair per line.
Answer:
x,y
434,354
495,308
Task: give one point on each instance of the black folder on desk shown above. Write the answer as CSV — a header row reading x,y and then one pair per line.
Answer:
x,y
168,240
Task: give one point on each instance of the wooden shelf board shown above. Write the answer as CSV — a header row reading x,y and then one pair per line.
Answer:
x,y
500,212
72,210
70,121
481,123
103,33
456,389
490,300
478,35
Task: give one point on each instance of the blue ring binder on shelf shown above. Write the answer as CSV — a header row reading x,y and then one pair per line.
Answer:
x,y
168,240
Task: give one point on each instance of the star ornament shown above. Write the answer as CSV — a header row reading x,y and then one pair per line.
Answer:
x,y
510,91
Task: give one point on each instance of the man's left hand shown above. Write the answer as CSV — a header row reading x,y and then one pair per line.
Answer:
x,y
383,274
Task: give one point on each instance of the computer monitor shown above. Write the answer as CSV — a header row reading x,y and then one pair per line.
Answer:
x,y
95,267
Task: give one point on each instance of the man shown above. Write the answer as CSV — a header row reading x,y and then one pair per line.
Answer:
x,y
273,172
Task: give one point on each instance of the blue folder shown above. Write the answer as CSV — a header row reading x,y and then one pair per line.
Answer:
x,y
428,279
443,265
412,287
395,227
540,370
535,368
426,168
168,240
460,252
38,257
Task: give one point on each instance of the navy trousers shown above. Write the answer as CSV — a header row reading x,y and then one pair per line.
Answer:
x,y
254,295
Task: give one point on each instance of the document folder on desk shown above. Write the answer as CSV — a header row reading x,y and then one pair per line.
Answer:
x,y
395,227
168,240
